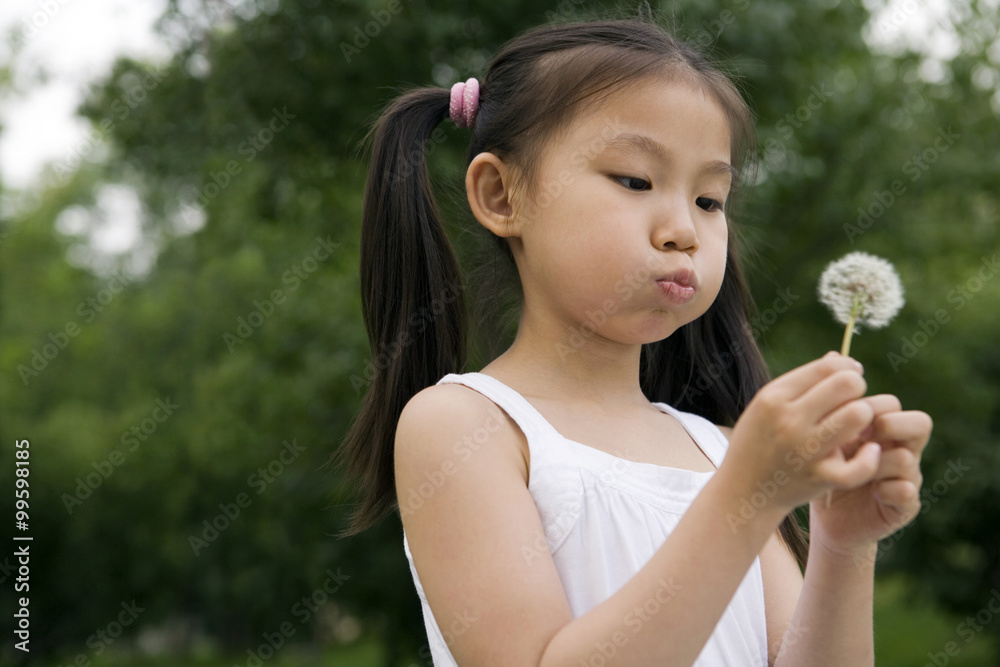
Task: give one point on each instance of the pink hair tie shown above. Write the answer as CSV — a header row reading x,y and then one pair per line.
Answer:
x,y
464,102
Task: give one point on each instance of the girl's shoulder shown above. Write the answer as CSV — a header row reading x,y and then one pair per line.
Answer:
x,y
441,423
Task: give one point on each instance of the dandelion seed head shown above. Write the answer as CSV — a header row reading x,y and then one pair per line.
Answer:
x,y
872,278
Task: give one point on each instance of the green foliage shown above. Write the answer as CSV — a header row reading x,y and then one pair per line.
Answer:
x,y
280,245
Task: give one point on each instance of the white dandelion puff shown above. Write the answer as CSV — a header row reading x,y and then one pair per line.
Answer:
x,y
861,290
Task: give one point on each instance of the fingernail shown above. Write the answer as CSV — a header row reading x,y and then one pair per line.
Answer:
x,y
861,369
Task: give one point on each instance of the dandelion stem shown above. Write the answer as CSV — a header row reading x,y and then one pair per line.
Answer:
x,y
845,347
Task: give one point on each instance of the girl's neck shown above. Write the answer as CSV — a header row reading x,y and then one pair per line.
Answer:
x,y
583,375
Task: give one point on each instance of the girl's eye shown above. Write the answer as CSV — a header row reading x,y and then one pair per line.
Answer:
x,y
708,204
633,183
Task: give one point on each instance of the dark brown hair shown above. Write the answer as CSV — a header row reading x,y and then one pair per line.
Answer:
x,y
412,295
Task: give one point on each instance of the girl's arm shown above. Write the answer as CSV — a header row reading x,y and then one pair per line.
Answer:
x,y
825,619
835,596
832,624
782,579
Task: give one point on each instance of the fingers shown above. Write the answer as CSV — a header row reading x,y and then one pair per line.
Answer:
x,y
900,494
909,428
899,463
880,404
840,386
849,474
841,427
898,479
796,382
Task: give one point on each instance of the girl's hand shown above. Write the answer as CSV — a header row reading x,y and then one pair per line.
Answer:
x,y
857,518
788,442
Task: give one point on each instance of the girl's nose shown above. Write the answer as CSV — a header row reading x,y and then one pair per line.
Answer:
x,y
675,228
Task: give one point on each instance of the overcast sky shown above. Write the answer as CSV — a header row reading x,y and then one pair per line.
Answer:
x,y
75,41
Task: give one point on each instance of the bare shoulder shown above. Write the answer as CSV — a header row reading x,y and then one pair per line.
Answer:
x,y
471,522
453,422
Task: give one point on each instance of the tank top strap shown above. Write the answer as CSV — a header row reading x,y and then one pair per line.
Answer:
x,y
706,434
531,422
537,429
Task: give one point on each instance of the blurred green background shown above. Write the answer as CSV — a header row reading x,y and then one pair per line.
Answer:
x,y
180,403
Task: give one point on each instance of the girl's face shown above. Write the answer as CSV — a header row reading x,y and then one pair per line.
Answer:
x,y
632,192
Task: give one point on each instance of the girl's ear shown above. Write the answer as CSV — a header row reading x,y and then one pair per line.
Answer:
x,y
488,183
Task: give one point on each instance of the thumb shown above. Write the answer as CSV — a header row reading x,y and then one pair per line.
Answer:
x,y
849,474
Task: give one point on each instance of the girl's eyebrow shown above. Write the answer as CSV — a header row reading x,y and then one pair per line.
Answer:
x,y
642,144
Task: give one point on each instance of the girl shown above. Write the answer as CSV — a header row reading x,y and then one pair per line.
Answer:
x,y
582,500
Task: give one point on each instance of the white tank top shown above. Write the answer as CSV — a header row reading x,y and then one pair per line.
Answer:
x,y
605,516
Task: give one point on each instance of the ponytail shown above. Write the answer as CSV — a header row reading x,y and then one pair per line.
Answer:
x,y
411,295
